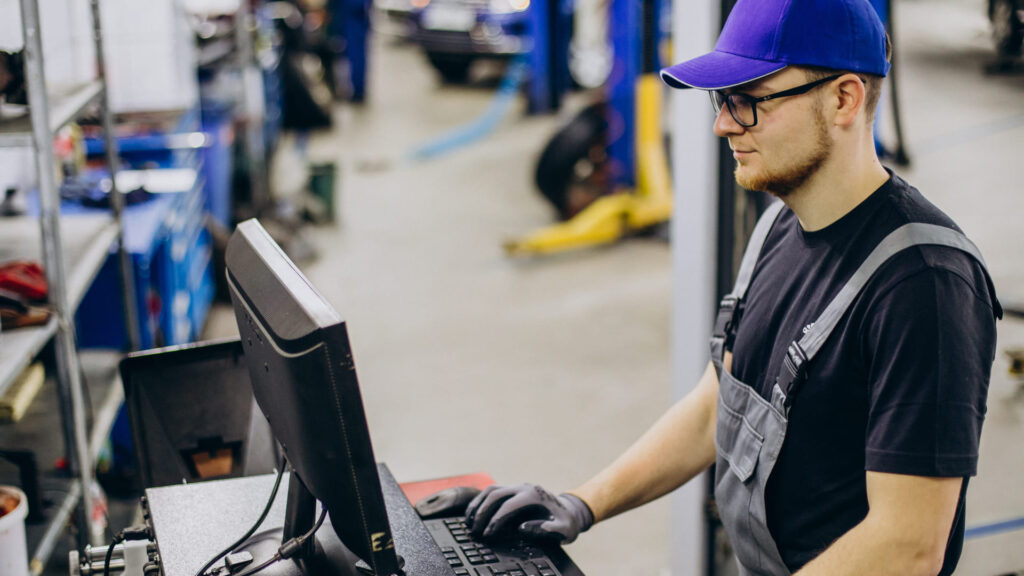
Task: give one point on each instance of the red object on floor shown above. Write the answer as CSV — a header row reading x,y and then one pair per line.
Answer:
x,y
24,278
416,491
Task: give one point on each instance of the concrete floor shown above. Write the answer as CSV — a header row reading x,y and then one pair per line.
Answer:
x,y
545,370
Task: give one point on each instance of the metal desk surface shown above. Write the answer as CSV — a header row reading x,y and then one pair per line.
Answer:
x,y
194,522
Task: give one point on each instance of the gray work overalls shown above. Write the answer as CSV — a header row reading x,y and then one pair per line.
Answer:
x,y
750,430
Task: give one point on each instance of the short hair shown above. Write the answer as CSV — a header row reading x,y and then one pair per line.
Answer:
x,y
872,82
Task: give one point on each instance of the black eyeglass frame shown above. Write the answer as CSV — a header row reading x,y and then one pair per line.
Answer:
x,y
752,101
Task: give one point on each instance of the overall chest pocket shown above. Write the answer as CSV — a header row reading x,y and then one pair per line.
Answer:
x,y
737,442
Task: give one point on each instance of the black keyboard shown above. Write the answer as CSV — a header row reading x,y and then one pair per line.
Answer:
x,y
470,558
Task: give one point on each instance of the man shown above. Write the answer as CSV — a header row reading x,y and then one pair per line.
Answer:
x,y
844,401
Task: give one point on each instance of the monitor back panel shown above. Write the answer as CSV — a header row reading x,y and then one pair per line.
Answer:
x,y
193,415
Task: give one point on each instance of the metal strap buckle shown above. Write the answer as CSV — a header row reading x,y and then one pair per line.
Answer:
x,y
725,320
793,373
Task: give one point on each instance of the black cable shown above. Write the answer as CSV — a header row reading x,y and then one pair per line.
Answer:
x,y
319,523
289,548
271,560
110,553
251,531
137,532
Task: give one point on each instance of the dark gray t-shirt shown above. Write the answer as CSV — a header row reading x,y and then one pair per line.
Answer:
x,y
899,387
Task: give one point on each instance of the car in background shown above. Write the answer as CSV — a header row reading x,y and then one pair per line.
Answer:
x,y
454,33
393,18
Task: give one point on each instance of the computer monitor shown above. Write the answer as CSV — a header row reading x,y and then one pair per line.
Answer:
x,y
193,415
300,364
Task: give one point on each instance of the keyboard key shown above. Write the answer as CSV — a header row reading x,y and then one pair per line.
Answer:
x,y
485,550
462,572
447,549
547,572
461,539
475,560
490,558
516,572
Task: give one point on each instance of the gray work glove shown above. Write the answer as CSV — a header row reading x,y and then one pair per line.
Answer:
x,y
527,510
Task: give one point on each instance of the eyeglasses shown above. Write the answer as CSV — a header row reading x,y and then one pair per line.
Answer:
x,y
743,107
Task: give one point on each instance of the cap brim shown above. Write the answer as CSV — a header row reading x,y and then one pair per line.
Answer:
x,y
718,71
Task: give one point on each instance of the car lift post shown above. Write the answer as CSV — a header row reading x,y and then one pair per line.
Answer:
x,y
550,25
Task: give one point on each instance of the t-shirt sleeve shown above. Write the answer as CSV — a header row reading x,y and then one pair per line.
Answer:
x,y
929,344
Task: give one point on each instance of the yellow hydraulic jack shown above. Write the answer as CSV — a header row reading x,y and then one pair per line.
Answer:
x,y
626,211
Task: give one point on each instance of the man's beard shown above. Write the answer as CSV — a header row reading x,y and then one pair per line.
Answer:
x,y
781,182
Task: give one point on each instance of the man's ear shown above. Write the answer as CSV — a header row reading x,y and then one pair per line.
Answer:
x,y
850,94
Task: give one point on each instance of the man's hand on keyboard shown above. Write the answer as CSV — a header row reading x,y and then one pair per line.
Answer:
x,y
527,510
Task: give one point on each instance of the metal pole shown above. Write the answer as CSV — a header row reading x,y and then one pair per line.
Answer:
x,y
539,89
900,155
69,381
116,200
252,100
694,234
620,90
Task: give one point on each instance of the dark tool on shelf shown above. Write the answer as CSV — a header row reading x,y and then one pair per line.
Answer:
x,y
12,77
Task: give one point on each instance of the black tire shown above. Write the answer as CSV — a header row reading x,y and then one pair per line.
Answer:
x,y
1007,27
453,68
582,141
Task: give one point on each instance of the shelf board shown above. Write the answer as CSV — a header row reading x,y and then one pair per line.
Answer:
x,y
65,105
87,241
43,538
105,390
19,347
87,258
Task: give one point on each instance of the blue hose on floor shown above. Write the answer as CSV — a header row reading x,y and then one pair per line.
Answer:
x,y
996,528
484,124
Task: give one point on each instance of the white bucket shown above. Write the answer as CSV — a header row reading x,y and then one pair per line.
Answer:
x,y
13,549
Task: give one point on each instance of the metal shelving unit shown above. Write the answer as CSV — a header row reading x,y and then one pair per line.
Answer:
x,y
66,105
72,250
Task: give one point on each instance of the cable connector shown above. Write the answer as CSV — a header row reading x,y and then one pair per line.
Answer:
x,y
291,547
137,532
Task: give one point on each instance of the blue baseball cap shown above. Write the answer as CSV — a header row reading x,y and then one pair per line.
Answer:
x,y
761,37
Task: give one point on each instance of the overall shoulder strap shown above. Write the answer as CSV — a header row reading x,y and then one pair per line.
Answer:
x,y
725,321
753,251
794,367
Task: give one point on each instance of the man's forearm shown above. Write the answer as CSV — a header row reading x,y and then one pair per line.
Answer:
x,y
876,550
679,446
904,533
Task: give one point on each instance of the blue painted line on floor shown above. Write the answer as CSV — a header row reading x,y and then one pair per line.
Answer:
x,y
996,528
484,124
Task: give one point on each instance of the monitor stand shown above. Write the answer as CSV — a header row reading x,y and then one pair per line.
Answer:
x,y
323,555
